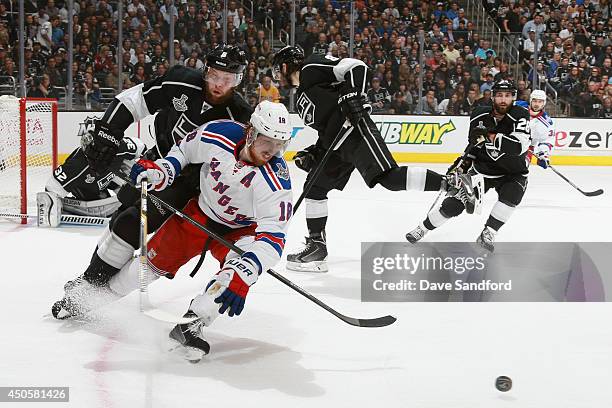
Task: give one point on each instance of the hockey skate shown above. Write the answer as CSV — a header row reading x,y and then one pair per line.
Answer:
x,y
313,258
70,305
192,345
416,234
487,238
468,188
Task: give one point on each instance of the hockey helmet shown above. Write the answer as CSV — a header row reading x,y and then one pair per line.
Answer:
x,y
227,58
272,120
538,94
504,85
292,56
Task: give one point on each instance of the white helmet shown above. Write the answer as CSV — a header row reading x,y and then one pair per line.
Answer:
x,y
538,94
272,120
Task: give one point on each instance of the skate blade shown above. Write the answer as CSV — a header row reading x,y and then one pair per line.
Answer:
x,y
191,354
314,266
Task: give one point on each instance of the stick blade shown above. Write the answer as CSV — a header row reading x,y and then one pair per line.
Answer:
x,y
593,193
376,322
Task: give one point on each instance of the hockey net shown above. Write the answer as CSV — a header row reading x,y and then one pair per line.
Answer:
x,y
28,151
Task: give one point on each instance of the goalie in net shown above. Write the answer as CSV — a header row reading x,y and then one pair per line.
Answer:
x,y
183,99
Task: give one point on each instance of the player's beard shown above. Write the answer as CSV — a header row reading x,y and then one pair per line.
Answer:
x,y
501,110
256,159
216,98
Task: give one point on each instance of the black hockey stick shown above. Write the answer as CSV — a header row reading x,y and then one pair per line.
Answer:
x,y
376,322
342,134
586,193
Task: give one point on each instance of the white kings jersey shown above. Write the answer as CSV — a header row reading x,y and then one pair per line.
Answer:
x,y
235,193
542,129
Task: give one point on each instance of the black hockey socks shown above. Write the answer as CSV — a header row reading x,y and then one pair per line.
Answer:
x,y
316,226
410,178
98,272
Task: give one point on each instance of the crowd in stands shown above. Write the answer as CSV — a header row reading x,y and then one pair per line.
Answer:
x,y
573,40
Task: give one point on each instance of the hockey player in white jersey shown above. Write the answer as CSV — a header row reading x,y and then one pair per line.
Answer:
x,y
542,129
245,197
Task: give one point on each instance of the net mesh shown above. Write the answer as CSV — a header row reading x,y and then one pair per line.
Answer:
x,y
38,117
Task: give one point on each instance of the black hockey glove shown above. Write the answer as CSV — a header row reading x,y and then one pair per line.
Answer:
x,y
100,147
478,135
306,159
354,104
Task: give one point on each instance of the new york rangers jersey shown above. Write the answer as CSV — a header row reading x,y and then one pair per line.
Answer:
x,y
542,129
235,193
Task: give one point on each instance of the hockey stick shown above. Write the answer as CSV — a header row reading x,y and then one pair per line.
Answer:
x,y
145,304
65,219
376,322
586,193
343,133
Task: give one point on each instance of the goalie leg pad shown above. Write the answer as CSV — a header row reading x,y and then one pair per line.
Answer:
x,y
49,209
104,207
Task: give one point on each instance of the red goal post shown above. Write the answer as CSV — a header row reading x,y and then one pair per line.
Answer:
x,y
28,151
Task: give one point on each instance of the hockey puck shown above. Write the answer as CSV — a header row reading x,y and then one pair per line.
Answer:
x,y
503,383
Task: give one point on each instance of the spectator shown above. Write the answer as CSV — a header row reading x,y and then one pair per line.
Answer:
x,y
451,54
469,102
379,97
606,111
399,106
267,91
429,104
450,106
537,24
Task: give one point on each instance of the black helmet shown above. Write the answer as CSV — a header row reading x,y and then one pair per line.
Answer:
x,y
292,56
504,85
227,58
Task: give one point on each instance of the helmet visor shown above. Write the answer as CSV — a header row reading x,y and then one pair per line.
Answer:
x,y
223,79
276,72
266,145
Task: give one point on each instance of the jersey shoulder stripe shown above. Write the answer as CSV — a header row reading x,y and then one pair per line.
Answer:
x,y
228,129
219,141
276,174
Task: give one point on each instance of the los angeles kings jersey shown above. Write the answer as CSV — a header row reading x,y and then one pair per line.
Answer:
x,y
506,154
235,193
178,99
320,80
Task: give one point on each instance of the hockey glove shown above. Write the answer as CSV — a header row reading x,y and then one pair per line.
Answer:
x,y
159,174
232,284
542,153
306,159
478,135
100,147
354,104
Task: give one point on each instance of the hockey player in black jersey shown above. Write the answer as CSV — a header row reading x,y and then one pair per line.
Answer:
x,y
184,99
499,139
330,93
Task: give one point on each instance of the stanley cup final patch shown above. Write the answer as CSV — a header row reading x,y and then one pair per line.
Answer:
x,y
179,103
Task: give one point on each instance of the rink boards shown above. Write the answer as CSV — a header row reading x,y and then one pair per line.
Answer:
x,y
426,139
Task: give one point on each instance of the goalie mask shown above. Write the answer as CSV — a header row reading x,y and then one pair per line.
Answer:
x,y
269,132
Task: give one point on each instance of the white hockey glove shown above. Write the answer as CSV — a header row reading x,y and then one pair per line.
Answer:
x,y
159,173
231,284
542,153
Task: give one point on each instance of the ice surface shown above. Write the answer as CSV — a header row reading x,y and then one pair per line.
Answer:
x,y
285,352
